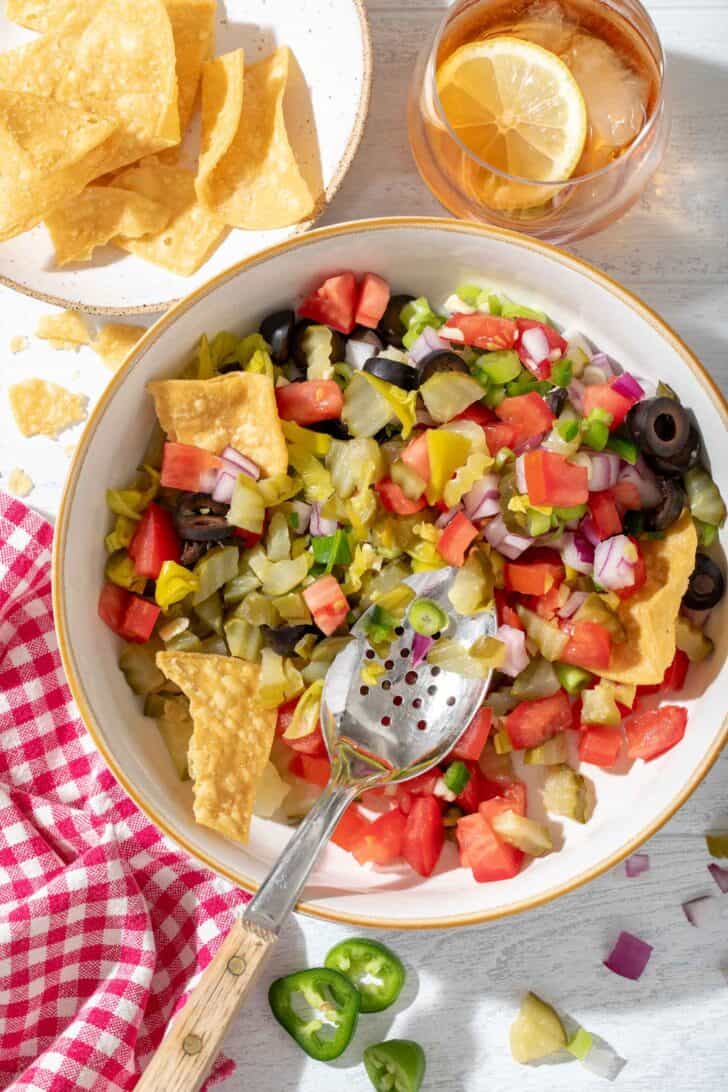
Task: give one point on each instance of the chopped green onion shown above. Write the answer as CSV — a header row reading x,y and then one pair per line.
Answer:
x,y
498,367
416,316
427,618
330,550
595,429
624,448
707,534
469,293
562,372
568,429
456,777
509,309
495,306
379,625
504,456
573,679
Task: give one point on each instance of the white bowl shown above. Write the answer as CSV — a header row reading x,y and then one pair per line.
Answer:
x,y
428,257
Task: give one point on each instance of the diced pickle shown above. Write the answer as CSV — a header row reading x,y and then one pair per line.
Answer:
x,y
278,538
292,608
537,680
243,640
502,742
214,645
258,610
536,1032
137,662
599,705
184,642
247,507
595,608
550,753
565,793
210,613
236,589
214,570
548,638
175,726
526,834
154,705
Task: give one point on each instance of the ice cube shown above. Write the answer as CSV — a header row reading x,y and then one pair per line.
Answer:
x,y
615,95
546,24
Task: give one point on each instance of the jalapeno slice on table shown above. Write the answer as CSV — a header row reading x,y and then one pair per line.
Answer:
x,y
376,972
318,1008
397,1065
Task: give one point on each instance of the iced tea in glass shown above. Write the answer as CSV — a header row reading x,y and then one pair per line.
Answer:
x,y
547,116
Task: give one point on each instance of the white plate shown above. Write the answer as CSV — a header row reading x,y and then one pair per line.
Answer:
x,y
330,41
428,257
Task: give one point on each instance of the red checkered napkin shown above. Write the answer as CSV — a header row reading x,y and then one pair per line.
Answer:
x,y
103,922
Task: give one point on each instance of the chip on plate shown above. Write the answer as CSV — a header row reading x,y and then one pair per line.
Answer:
x,y
40,15
97,215
50,152
650,615
237,409
193,29
66,330
115,341
192,231
231,737
248,174
45,409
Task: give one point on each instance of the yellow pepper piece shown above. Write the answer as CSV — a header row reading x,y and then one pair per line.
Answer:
x,y
447,451
371,673
521,503
173,584
318,443
402,403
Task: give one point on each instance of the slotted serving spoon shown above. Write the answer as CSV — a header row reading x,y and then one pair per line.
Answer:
x,y
375,735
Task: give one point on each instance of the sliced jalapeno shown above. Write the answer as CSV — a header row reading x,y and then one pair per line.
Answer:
x,y
318,1008
397,1065
376,972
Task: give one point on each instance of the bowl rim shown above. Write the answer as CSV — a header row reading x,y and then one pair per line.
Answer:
x,y
325,199
153,334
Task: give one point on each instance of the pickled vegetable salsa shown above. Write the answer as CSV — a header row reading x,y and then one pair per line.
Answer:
x,y
478,436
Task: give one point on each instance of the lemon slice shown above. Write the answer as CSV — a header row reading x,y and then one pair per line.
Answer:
x,y
517,107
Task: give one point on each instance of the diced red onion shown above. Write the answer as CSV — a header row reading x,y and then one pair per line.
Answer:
x,y
578,553
319,524
303,511
535,346
358,351
576,394
427,342
603,471
589,531
593,375
503,540
603,1061
521,475
606,363
208,480
225,486
637,864
421,645
447,517
576,599
614,563
627,385
702,912
720,875
629,956
529,444
483,499
644,480
232,455
516,656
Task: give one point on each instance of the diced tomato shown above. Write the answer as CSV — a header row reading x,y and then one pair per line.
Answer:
x,y
652,733
507,615
605,516
474,738
500,435
189,468
311,768
416,456
455,539
674,677
481,850
327,603
155,541
528,413
535,573
139,620
478,413
113,603
374,296
422,785
351,828
547,605
394,500
626,495
533,722
477,789
312,744
481,331
382,842
589,645
515,793
602,396
639,573
333,304
310,401
285,715
552,480
600,745
424,835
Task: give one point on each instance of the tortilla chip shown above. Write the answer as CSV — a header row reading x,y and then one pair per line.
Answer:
x,y
116,59
98,215
193,29
192,232
67,330
40,15
231,737
650,615
45,409
237,409
19,343
20,484
248,173
49,151
115,341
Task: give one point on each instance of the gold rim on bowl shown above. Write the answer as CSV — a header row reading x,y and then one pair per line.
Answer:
x,y
74,676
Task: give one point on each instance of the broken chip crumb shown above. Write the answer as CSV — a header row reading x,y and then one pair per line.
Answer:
x,y
41,408
115,341
20,484
18,344
69,449
67,330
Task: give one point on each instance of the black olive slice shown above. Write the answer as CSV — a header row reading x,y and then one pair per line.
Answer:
x,y
192,552
201,519
400,375
690,456
391,329
230,366
441,360
670,507
556,400
706,586
335,428
660,427
277,330
283,639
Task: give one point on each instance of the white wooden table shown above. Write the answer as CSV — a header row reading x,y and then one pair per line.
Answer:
x,y
672,249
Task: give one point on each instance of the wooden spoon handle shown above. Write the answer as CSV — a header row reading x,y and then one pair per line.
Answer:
x,y
184,1057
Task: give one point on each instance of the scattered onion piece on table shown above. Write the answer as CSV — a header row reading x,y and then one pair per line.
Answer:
x,y
629,956
720,875
702,912
637,864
